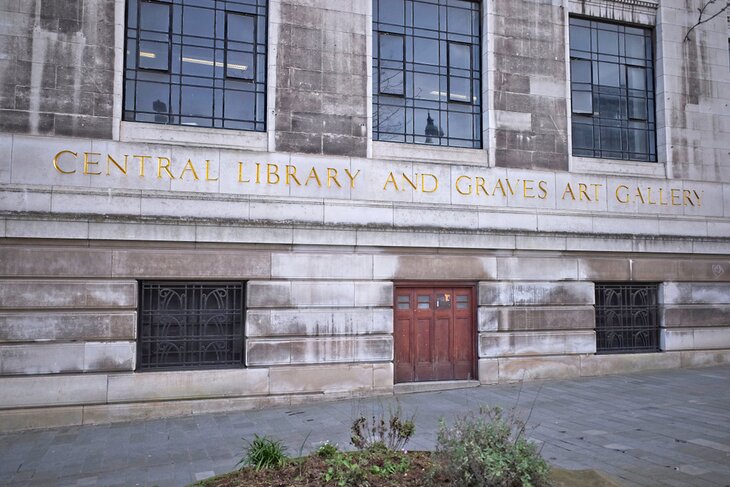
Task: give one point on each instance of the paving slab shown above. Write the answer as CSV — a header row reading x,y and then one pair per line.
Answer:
x,y
661,428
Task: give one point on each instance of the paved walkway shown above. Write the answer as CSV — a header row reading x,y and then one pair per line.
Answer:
x,y
650,429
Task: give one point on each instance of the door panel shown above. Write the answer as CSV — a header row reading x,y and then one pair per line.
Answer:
x,y
434,334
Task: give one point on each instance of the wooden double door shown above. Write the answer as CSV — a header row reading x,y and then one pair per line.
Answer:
x,y
434,333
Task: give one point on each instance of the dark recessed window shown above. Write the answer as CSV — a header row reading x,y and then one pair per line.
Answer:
x,y
426,72
612,83
197,63
626,318
190,325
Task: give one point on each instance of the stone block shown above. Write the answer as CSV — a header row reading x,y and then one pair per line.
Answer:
x,y
553,293
25,199
695,316
531,368
531,268
397,238
604,269
96,202
38,294
299,351
490,220
187,384
488,371
654,270
319,236
51,229
42,358
702,358
383,376
694,293
337,213
32,161
323,379
267,294
696,338
496,294
178,206
536,318
59,390
435,217
37,418
6,146
504,344
197,264
318,322
109,356
520,121
374,294
113,413
429,267
705,270
341,293
160,232
26,326
54,262
627,363
321,266
286,212
564,223
243,234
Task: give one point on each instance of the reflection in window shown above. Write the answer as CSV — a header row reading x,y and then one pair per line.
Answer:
x,y
612,86
426,65
199,63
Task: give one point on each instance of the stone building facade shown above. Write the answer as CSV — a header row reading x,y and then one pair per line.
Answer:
x,y
210,205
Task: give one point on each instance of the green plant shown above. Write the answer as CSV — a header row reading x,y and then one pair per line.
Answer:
x,y
487,450
263,452
393,432
346,470
327,450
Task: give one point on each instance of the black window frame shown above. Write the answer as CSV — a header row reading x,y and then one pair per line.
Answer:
x,y
164,334
402,114
197,66
627,317
609,119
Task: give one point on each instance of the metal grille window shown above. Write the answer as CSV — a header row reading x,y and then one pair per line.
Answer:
x,y
626,318
612,82
190,325
196,62
426,72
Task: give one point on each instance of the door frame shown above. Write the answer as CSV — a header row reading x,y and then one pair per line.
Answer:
x,y
474,286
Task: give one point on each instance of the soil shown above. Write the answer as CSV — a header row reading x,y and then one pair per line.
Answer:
x,y
310,472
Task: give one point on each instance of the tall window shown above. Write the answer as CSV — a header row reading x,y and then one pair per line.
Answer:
x,y
612,82
626,318
190,325
426,72
196,62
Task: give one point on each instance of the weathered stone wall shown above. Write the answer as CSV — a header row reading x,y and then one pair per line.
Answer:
x,y
321,77
57,67
694,90
529,84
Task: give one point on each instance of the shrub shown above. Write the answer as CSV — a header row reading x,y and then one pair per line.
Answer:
x,y
262,453
393,432
327,450
487,450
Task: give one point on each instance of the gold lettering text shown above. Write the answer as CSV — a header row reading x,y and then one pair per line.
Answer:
x,y
207,172
352,177
542,187
332,177
141,164
625,198
272,174
434,183
569,190
313,175
699,197
110,160
391,179
189,167
240,173
527,189
58,156
687,194
164,163
291,173
458,188
480,182
88,162
674,192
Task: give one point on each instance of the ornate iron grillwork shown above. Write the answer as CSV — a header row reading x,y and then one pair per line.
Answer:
x,y
626,318
186,325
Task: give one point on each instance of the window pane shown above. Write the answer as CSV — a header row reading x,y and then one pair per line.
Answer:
x,y
391,47
426,86
459,89
391,11
637,109
425,51
154,16
391,81
198,21
611,139
460,125
459,56
607,42
152,97
608,74
635,46
154,55
240,28
198,61
636,78
459,20
580,71
390,119
609,106
239,105
637,141
580,38
582,102
425,16
239,65
196,102
582,136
